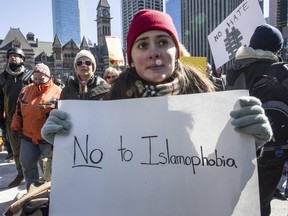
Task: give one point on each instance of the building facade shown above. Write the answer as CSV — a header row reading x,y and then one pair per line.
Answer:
x,y
129,8
70,20
199,19
57,55
278,17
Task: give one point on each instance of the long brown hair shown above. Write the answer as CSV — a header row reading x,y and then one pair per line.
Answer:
x,y
191,80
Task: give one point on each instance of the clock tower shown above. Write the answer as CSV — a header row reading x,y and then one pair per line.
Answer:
x,y
103,21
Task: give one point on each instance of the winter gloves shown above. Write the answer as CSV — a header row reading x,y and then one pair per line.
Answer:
x,y
56,123
251,119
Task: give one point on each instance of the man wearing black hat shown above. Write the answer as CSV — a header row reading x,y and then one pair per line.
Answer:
x,y
12,80
259,68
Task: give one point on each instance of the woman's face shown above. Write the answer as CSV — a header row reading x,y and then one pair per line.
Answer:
x,y
84,68
154,56
110,77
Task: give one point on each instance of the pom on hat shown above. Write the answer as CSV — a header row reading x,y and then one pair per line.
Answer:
x,y
87,54
42,68
267,38
146,20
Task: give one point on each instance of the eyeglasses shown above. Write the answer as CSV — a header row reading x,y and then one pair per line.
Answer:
x,y
108,77
79,63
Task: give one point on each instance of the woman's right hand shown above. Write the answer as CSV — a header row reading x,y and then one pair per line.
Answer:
x,y
56,123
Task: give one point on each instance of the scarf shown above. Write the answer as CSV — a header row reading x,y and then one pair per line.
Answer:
x,y
18,70
165,89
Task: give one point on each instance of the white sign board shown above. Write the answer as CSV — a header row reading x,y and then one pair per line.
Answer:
x,y
235,31
175,155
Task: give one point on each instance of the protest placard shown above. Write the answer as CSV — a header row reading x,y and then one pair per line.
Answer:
x,y
176,155
115,52
235,31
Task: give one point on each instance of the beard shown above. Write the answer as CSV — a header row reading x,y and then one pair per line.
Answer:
x,y
15,66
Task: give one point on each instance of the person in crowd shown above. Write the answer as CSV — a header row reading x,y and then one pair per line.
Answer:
x,y
4,141
110,74
34,104
59,82
218,82
12,80
85,85
218,73
9,156
252,69
279,193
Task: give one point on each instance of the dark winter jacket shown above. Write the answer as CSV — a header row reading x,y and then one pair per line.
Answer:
x,y
249,64
96,89
10,87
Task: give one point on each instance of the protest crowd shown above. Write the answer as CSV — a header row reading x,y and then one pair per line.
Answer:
x,y
30,118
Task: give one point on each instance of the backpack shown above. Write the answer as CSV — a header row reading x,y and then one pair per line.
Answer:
x,y
269,83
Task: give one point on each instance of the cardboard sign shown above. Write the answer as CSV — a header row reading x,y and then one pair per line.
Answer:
x,y
176,155
198,62
115,52
235,31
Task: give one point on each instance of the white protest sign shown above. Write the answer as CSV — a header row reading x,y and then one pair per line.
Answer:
x,y
176,155
235,31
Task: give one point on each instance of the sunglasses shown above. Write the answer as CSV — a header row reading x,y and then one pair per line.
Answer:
x,y
80,63
108,77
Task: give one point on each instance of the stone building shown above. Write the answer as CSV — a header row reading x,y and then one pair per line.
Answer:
x,y
60,57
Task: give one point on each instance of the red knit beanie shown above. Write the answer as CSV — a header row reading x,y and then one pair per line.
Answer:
x,y
146,20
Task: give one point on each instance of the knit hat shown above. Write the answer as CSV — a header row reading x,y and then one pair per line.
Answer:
x,y
146,20
87,54
42,68
267,38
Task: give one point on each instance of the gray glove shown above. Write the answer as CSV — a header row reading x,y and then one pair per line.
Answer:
x,y
251,119
56,123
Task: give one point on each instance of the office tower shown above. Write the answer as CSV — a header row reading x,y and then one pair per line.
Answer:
x,y
129,8
278,17
173,8
199,19
278,13
70,20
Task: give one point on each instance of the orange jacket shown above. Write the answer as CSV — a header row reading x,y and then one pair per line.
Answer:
x,y
33,107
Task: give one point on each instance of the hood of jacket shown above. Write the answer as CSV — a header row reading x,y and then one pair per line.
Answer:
x,y
247,55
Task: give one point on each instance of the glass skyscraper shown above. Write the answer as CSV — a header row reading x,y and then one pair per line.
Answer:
x,y
69,20
200,17
130,8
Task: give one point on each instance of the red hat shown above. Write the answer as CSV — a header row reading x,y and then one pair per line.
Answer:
x,y
146,20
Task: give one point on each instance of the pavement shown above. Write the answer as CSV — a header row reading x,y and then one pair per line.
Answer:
x,y
8,173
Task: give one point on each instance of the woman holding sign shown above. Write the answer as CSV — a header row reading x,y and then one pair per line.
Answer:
x,y
153,52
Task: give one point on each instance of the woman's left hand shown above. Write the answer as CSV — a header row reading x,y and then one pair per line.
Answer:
x,y
251,119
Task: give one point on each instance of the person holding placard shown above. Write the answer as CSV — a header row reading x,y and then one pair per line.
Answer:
x,y
153,52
